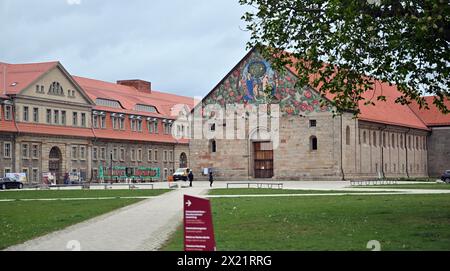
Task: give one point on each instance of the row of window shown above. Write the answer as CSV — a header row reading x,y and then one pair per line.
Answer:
x,y
393,141
118,154
55,117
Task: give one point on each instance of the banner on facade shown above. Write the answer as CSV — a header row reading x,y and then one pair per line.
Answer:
x,y
119,172
18,177
198,226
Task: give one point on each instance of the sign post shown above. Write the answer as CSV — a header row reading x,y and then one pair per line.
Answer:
x,y
198,226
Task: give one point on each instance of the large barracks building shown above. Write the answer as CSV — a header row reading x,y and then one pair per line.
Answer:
x,y
52,122
386,140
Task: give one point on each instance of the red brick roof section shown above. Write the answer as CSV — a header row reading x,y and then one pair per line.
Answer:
x,y
20,76
385,112
433,116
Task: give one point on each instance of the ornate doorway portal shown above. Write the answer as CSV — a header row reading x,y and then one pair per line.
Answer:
x,y
183,160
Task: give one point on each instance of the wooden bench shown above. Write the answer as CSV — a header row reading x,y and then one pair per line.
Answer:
x,y
258,185
372,182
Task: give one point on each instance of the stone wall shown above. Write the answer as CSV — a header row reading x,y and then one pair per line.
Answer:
x,y
439,151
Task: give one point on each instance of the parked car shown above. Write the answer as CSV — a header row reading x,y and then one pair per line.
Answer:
x,y
181,174
8,183
446,176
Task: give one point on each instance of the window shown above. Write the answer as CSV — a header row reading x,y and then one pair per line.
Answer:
x,y
95,122
139,155
7,149
8,112
115,154
156,156
364,137
150,127
35,151
103,122
139,125
145,108
347,135
133,155
133,125
108,103
26,113
393,141
36,114
401,141
82,153
171,156
313,143
75,119
312,123
122,154
74,152
6,171
25,151
150,155
63,117
83,119
409,142
114,122
165,156
38,88
25,170
213,146
375,139
384,140
94,153
35,175
165,173
417,143
103,153
49,116
122,124
56,112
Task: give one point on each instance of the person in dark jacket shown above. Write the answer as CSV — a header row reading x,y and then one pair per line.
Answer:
x,y
211,179
191,178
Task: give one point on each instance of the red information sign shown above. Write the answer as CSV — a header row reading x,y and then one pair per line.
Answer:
x,y
198,226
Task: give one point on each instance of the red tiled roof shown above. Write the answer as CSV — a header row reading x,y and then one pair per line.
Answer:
x,y
129,97
432,116
386,112
20,76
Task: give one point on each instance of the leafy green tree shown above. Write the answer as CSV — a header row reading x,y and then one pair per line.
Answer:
x,y
342,46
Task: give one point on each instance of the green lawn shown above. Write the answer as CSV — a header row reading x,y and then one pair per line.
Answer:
x,y
398,222
21,221
50,194
255,191
437,186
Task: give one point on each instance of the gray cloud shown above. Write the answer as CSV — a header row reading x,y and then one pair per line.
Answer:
x,y
183,47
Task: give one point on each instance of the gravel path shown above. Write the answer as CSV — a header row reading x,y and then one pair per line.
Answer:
x,y
142,226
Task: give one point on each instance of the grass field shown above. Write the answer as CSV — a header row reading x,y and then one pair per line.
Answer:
x,y
50,194
399,222
256,191
21,221
437,186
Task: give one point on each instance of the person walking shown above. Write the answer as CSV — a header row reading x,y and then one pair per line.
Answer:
x,y
211,179
191,178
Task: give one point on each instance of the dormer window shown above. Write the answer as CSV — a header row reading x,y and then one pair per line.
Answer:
x,y
145,108
56,89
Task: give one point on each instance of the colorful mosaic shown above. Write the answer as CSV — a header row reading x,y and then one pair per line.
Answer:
x,y
255,82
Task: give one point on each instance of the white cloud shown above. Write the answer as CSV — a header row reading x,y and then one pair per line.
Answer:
x,y
180,46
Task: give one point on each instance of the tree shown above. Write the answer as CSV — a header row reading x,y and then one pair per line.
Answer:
x,y
342,46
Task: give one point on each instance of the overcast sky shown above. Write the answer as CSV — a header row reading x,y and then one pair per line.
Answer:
x,y
181,46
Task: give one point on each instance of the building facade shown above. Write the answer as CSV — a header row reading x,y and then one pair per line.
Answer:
x,y
52,122
387,140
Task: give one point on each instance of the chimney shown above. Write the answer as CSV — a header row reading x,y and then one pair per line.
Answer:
x,y
140,85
